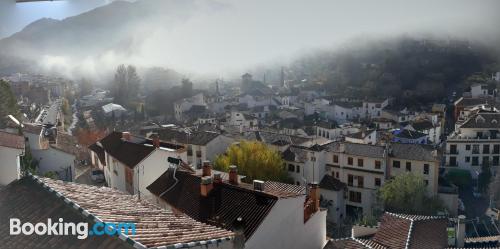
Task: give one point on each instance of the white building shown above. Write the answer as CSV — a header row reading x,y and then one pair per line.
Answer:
x,y
132,162
267,214
474,143
200,145
11,151
115,110
241,121
184,105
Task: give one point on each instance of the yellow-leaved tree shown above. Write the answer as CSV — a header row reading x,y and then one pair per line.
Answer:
x,y
255,160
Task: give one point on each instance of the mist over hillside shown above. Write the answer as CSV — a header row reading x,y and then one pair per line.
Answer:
x,y
221,38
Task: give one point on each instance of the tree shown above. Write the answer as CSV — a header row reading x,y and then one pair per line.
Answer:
x,y
484,178
85,87
255,160
8,103
407,193
125,86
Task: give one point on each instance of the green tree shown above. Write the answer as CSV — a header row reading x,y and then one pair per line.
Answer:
x,y
28,163
8,103
255,160
484,178
407,193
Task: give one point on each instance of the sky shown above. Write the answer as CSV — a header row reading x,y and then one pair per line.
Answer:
x,y
249,32
14,17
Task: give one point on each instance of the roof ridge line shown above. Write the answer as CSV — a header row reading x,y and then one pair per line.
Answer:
x,y
119,234
86,213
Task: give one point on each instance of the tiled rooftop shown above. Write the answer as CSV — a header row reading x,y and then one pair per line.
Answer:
x,y
225,202
401,231
11,140
155,226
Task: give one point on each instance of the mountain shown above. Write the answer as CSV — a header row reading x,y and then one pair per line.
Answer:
x,y
116,29
418,70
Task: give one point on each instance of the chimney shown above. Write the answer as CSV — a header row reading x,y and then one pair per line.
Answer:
x,y
233,174
258,185
206,169
217,178
156,139
460,231
206,185
314,195
239,233
126,135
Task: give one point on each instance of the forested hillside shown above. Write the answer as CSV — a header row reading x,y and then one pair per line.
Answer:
x,y
427,70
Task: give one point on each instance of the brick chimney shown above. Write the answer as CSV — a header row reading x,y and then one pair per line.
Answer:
x,y
233,174
126,136
314,195
206,185
156,140
206,169
217,178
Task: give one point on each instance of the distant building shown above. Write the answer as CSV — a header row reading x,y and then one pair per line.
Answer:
x,y
474,143
113,110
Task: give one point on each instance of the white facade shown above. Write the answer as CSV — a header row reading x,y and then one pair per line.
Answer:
x,y
55,160
284,227
479,90
10,164
141,175
242,121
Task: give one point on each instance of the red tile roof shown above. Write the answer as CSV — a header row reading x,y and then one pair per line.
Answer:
x,y
28,201
11,140
401,231
155,226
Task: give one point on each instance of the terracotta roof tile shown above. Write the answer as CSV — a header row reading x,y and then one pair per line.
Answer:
x,y
155,226
11,140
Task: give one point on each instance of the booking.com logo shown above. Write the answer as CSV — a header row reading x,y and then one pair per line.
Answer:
x,y
81,230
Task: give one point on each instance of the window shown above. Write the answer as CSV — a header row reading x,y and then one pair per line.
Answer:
x,y
297,167
378,164
475,161
486,149
426,169
360,162
335,158
291,168
337,174
408,166
467,159
453,161
396,164
350,180
190,150
426,182
453,149
475,149
378,182
350,160
361,182
467,147
496,149
486,160
313,159
355,196
495,160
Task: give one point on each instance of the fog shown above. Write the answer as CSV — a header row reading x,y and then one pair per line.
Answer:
x,y
222,37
